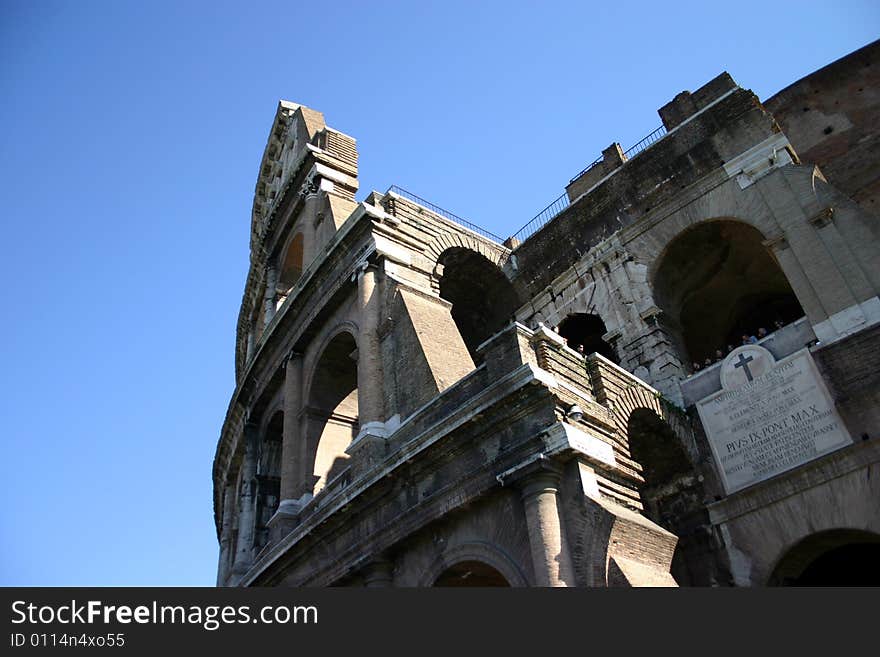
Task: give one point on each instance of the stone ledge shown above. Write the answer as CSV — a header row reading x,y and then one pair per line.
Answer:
x,y
810,475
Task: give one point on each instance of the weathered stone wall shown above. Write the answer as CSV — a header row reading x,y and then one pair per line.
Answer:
x,y
494,441
852,370
657,175
761,524
832,118
490,530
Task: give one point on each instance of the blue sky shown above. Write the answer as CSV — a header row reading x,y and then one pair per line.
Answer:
x,y
131,138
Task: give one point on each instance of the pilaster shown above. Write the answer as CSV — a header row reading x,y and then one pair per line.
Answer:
x,y
246,504
226,534
270,295
287,515
538,483
371,415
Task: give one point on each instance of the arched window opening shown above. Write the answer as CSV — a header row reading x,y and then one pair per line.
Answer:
x,y
717,283
654,445
332,411
584,333
841,557
268,478
483,299
672,494
291,267
471,573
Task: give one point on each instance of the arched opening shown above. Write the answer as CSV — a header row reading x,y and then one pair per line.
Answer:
x,y
332,411
717,282
483,299
842,557
471,573
268,478
672,494
654,445
291,267
584,333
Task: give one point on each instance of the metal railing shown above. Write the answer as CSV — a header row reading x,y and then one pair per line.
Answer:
x,y
542,218
587,168
651,139
436,209
561,203
631,152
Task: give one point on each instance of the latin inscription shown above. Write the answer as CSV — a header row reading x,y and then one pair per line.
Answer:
x,y
777,421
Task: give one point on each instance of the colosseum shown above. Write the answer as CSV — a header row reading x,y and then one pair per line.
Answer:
x,y
671,376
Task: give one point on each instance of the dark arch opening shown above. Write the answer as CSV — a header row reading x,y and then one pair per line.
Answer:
x,y
471,573
268,477
584,333
717,282
332,411
840,557
654,445
483,299
672,494
291,267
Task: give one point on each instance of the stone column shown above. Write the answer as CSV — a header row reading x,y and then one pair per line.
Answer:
x,y
285,517
551,558
270,295
225,534
310,228
292,410
369,372
251,343
246,504
378,574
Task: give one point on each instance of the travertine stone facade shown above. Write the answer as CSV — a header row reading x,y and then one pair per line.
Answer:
x,y
418,404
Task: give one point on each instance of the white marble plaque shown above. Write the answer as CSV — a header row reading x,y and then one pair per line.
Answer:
x,y
769,416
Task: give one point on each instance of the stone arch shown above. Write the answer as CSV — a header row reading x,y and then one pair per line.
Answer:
x,y
715,281
654,445
672,491
497,255
471,573
836,557
319,345
638,398
477,552
331,410
268,477
660,439
483,299
291,265
584,332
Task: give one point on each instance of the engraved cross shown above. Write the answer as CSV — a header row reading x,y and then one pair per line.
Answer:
x,y
743,362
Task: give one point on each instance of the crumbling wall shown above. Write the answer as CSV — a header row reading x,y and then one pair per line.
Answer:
x,y
832,118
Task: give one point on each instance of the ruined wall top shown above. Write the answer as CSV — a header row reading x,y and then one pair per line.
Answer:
x,y
832,117
297,131
706,129
303,158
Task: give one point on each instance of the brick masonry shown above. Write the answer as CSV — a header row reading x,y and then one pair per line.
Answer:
x,y
482,445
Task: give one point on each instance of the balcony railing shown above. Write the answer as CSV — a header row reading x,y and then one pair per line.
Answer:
x,y
561,203
436,209
650,140
542,218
